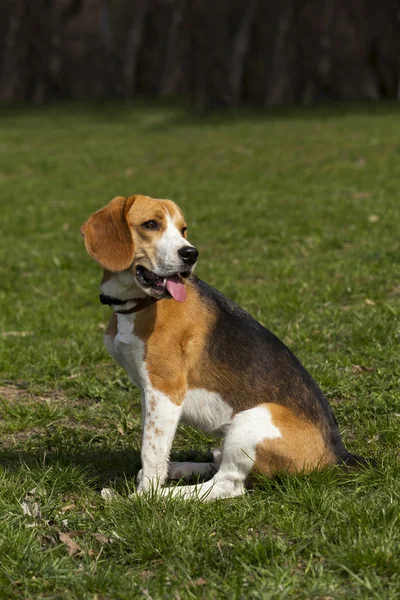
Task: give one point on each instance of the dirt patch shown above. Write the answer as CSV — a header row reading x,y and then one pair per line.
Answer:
x,y
19,392
42,435
19,438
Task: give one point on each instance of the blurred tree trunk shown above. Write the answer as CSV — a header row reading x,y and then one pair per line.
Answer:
x,y
133,42
14,55
280,78
241,44
215,52
171,69
106,34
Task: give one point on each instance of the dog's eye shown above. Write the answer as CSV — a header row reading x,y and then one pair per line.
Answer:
x,y
150,225
184,230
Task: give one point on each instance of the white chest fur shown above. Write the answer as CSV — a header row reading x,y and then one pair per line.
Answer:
x,y
131,349
206,411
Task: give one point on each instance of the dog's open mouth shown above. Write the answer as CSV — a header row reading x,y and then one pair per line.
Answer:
x,y
170,285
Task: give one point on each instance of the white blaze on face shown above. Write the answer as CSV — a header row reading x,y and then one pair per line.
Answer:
x,y
168,259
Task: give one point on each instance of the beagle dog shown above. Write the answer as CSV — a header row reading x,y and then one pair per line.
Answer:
x,y
200,359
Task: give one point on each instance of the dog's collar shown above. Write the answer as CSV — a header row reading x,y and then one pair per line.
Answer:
x,y
141,303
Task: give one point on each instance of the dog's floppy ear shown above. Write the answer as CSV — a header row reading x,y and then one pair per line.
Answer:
x,y
107,235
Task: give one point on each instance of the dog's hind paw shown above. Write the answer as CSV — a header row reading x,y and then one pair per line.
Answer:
x,y
190,470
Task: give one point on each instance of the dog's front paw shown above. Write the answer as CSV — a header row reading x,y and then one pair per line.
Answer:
x,y
139,478
143,484
139,486
152,483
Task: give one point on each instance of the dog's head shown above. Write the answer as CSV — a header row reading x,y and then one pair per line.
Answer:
x,y
146,237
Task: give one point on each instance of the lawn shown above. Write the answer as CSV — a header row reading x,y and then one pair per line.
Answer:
x,y
296,215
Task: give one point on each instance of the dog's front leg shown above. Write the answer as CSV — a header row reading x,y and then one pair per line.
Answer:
x,y
161,418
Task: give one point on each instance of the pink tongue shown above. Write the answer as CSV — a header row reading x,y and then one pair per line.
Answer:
x,y
176,288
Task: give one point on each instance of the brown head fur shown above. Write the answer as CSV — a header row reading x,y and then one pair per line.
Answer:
x,y
107,235
114,236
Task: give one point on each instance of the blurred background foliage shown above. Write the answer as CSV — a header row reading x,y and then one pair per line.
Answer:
x,y
215,52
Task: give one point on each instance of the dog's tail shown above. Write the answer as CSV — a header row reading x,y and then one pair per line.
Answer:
x,y
354,461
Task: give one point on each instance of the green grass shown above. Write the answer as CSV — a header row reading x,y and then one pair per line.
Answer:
x,y
296,216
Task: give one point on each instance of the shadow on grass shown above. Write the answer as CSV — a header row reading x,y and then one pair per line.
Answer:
x,y
118,469
101,468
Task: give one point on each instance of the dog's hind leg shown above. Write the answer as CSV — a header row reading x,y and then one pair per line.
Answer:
x,y
248,428
190,470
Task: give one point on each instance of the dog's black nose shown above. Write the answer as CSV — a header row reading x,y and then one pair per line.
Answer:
x,y
188,254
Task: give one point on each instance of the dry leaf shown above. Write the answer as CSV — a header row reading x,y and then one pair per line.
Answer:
x,y
77,533
373,218
120,430
101,538
108,494
72,546
370,302
67,507
147,574
362,369
32,509
16,333
199,581
361,195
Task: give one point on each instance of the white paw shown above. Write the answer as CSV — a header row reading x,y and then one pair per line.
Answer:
x,y
140,488
148,484
139,477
